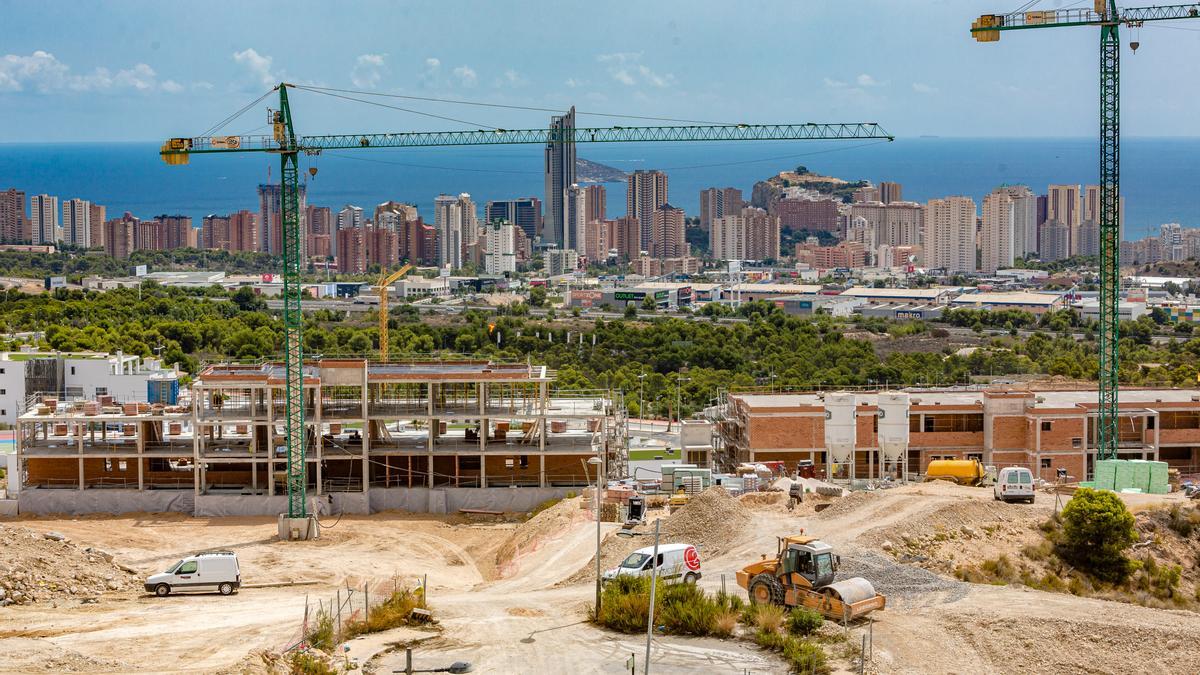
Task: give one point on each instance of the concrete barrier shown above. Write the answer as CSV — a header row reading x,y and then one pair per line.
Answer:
x,y
78,502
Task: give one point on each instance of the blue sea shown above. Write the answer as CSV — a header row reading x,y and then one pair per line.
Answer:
x,y
1159,181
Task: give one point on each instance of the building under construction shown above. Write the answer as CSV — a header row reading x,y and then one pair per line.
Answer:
x,y
418,436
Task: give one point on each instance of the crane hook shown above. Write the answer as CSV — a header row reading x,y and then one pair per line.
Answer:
x,y
312,171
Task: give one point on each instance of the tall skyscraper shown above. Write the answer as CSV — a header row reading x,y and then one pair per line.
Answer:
x,y
1025,226
895,224
96,218
319,219
890,192
499,246
668,237
352,247
119,236
1170,242
628,238
470,223
14,218
448,219
1062,205
560,175
77,222
524,212
270,238
950,234
597,202
645,191
43,219
393,215
718,203
575,229
753,235
1054,241
997,238
177,232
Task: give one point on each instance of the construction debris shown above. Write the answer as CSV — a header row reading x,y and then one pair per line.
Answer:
x,y
39,567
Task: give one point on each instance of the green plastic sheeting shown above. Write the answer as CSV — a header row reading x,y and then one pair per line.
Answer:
x,y
1131,474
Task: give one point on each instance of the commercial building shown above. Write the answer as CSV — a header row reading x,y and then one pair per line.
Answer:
x,y
939,295
719,203
645,193
43,220
1044,429
950,234
1034,303
559,176
14,217
431,436
657,267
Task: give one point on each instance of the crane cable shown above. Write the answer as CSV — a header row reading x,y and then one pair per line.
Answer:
x,y
394,107
219,125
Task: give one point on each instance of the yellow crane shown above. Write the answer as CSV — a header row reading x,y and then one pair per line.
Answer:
x,y
385,281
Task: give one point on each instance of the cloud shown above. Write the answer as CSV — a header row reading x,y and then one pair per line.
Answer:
x,y
432,62
257,65
466,76
627,68
835,84
510,78
866,80
574,82
368,70
42,72
922,88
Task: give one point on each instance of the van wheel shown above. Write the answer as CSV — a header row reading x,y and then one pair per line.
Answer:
x,y
689,578
162,590
226,588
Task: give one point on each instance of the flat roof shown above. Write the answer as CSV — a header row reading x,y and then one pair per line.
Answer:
x,y
1050,398
930,293
786,289
1007,298
402,370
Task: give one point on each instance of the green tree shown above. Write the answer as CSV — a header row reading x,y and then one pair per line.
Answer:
x,y
648,304
537,296
1097,528
630,311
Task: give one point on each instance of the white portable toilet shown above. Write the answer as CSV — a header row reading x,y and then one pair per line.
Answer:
x,y
893,432
840,430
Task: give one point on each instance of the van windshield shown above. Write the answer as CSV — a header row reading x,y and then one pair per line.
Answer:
x,y
635,561
173,567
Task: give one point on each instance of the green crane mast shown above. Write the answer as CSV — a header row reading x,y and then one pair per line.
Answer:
x,y
1108,18
288,146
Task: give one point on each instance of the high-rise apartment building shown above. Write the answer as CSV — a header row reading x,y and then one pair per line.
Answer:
x,y
600,238
560,175
383,247
349,217
97,215
177,232
753,235
319,219
645,191
448,219
14,217
1025,227
559,261
628,238
864,194
813,215
597,202
43,220
950,234
668,235
76,222
393,215
470,222
997,237
718,203
352,250
890,192
119,236
1054,241
1170,242
1063,205
499,248
237,232
270,238
524,212
896,224
575,229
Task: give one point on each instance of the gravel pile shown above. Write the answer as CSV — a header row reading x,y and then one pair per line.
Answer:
x,y
903,584
36,567
851,502
529,535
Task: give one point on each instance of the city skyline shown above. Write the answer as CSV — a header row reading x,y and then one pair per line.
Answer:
x,y
59,83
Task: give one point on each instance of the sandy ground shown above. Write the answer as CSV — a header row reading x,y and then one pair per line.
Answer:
x,y
521,618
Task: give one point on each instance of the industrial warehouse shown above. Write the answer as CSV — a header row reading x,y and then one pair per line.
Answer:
x,y
432,436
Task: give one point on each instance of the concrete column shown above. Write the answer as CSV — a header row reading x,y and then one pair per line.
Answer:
x,y
542,470
80,472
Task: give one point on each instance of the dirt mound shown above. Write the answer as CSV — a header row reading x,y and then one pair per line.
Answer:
x,y
27,655
713,521
529,535
763,500
37,567
844,505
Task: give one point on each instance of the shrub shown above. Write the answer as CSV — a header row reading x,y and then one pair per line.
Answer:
x,y
763,617
625,604
320,634
804,657
393,612
1097,528
804,621
725,623
302,663
686,610
681,609
1184,522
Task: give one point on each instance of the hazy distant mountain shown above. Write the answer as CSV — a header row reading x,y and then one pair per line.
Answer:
x,y
587,171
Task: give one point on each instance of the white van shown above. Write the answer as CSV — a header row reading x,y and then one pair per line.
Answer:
x,y
676,562
215,572
1014,483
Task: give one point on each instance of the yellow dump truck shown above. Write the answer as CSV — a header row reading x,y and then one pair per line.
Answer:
x,y
803,574
961,471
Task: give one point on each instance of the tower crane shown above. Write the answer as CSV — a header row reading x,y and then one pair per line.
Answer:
x,y
384,281
288,145
1108,18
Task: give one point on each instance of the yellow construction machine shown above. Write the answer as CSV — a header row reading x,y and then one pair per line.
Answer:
x,y
384,282
802,574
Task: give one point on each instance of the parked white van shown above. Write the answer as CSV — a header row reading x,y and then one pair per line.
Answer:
x,y
676,562
1014,483
214,572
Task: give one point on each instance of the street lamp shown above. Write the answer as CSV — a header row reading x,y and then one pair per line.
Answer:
x,y
653,583
642,396
679,397
598,462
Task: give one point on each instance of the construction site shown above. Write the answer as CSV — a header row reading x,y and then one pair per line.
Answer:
x,y
423,436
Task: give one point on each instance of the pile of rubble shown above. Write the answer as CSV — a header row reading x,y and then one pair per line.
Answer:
x,y
37,567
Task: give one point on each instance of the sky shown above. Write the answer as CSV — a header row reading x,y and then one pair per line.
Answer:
x,y
134,70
